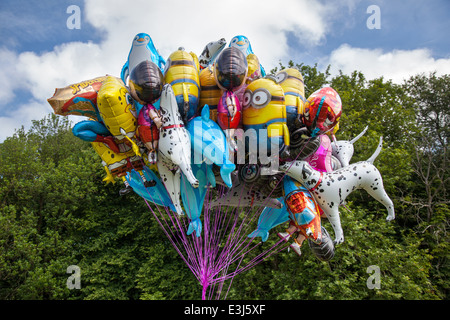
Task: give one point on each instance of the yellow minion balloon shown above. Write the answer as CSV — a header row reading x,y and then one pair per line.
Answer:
x,y
291,80
264,109
210,93
182,74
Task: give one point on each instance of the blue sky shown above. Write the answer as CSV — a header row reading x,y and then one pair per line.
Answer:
x,y
38,52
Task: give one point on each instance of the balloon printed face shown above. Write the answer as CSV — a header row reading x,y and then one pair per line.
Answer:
x,y
322,110
242,43
260,94
116,108
141,39
230,69
264,108
146,82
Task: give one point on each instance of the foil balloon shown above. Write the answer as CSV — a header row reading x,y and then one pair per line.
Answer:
x,y
343,150
229,116
323,186
322,111
211,52
254,68
182,74
174,151
243,44
291,80
142,49
230,69
146,82
156,194
321,159
210,93
78,98
264,111
209,144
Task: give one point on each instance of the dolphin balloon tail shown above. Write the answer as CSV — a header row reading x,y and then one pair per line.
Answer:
x,y
264,234
195,225
225,173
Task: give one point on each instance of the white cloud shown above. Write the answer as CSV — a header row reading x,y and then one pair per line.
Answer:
x,y
22,114
191,24
171,24
395,65
194,23
9,78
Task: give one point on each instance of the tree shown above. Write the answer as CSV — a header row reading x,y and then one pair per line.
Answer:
x,y
428,202
55,212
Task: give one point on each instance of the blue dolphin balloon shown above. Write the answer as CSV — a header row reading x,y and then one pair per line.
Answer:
x,y
272,217
193,198
142,48
209,144
243,44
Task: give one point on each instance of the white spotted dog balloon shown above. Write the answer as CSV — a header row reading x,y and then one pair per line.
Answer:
x,y
174,152
343,150
332,188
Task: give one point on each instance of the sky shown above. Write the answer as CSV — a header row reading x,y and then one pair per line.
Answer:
x,y
47,44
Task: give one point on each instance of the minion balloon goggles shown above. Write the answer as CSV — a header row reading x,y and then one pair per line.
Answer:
x,y
260,97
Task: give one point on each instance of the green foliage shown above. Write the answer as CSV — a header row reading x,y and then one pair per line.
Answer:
x,y
55,212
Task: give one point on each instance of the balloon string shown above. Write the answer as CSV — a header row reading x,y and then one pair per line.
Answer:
x,y
207,259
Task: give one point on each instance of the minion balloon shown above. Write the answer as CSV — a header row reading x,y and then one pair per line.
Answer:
x,y
291,80
210,92
182,74
264,108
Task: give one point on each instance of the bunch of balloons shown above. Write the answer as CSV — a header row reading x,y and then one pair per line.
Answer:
x,y
173,128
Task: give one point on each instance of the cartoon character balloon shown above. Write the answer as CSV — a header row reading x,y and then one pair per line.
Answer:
x,y
243,44
264,109
291,80
182,74
322,111
142,48
230,72
146,82
230,69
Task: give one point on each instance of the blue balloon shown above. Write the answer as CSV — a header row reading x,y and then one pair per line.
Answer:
x,y
270,218
142,48
208,143
243,44
193,198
